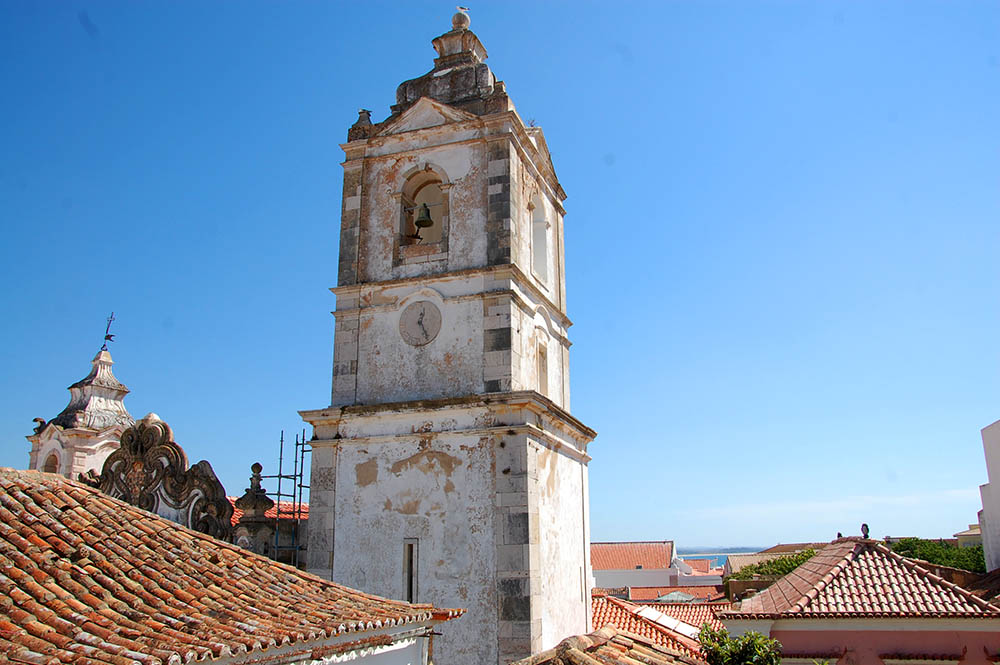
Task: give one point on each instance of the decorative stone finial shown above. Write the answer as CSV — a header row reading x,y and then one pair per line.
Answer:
x,y
461,21
255,469
255,502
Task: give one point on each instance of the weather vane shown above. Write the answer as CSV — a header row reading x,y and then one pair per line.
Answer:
x,y
108,336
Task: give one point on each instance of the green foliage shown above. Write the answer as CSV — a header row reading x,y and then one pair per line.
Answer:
x,y
943,554
780,566
750,649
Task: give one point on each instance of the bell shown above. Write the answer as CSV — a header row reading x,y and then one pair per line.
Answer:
x,y
423,219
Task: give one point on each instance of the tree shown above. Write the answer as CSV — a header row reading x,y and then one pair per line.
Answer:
x,y
779,566
943,554
719,648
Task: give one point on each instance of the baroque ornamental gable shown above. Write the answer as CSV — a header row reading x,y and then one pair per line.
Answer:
x,y
425,113
150,470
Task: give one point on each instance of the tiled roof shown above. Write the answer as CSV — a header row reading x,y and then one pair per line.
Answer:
x,y
621,556
287,511
699,566
88,579
609,646
737,562
705,593
788,548
694,614
626,616
853,577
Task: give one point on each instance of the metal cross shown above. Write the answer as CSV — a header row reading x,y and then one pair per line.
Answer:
x,y
108,336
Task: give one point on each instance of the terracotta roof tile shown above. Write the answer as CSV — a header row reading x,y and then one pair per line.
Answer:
x,y
288,510
699,566
610,646
853,577
704,593
628,555
88,579
694,614
624,616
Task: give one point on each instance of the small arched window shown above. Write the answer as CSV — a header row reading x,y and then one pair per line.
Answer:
x,y
539,239
51,464
422,189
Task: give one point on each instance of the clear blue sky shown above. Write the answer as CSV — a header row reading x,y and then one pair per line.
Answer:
x,y
782,239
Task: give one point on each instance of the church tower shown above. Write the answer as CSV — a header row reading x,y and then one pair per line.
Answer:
x,y
448,468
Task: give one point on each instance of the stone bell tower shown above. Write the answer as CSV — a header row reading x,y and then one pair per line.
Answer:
x,y
448,468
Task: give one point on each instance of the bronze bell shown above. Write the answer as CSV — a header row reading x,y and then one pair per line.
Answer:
x,y
423,219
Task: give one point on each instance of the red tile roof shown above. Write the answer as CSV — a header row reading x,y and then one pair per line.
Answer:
x,y
88,579
624,616
706,593
699,566
694,614
287,510
609,646
853,577
655,554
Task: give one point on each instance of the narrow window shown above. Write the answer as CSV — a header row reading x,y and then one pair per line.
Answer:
x,y
539,239
543,369
410,570
51,464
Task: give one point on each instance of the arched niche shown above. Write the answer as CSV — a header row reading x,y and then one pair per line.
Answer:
x,y
424,185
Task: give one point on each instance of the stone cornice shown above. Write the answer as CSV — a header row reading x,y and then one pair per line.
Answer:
x,y
528,399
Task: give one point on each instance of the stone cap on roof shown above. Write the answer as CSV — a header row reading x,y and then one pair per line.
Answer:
x,y
856,577
89,578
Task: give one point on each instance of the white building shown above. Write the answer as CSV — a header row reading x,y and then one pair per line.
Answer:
x,y
989,516
90,427
447,468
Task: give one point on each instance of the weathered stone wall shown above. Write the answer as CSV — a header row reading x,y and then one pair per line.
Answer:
x,y
989,516
563,540
500,519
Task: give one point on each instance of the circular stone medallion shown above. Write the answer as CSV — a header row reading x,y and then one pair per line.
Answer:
x,y
420,323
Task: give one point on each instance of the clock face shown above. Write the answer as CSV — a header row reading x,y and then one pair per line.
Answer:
x,y
420,323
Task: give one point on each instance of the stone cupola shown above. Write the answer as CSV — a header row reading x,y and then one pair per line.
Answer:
x,y
89,429
96,400
460,76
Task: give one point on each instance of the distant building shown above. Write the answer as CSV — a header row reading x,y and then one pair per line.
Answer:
x,y
737,562
989,516
969,537
92,579
89,429
634,564
791,548
858,602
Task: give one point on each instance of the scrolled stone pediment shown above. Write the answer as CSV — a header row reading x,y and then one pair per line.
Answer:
x,y
150,470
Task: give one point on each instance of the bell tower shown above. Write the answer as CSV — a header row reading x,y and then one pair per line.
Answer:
x,y
447,468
